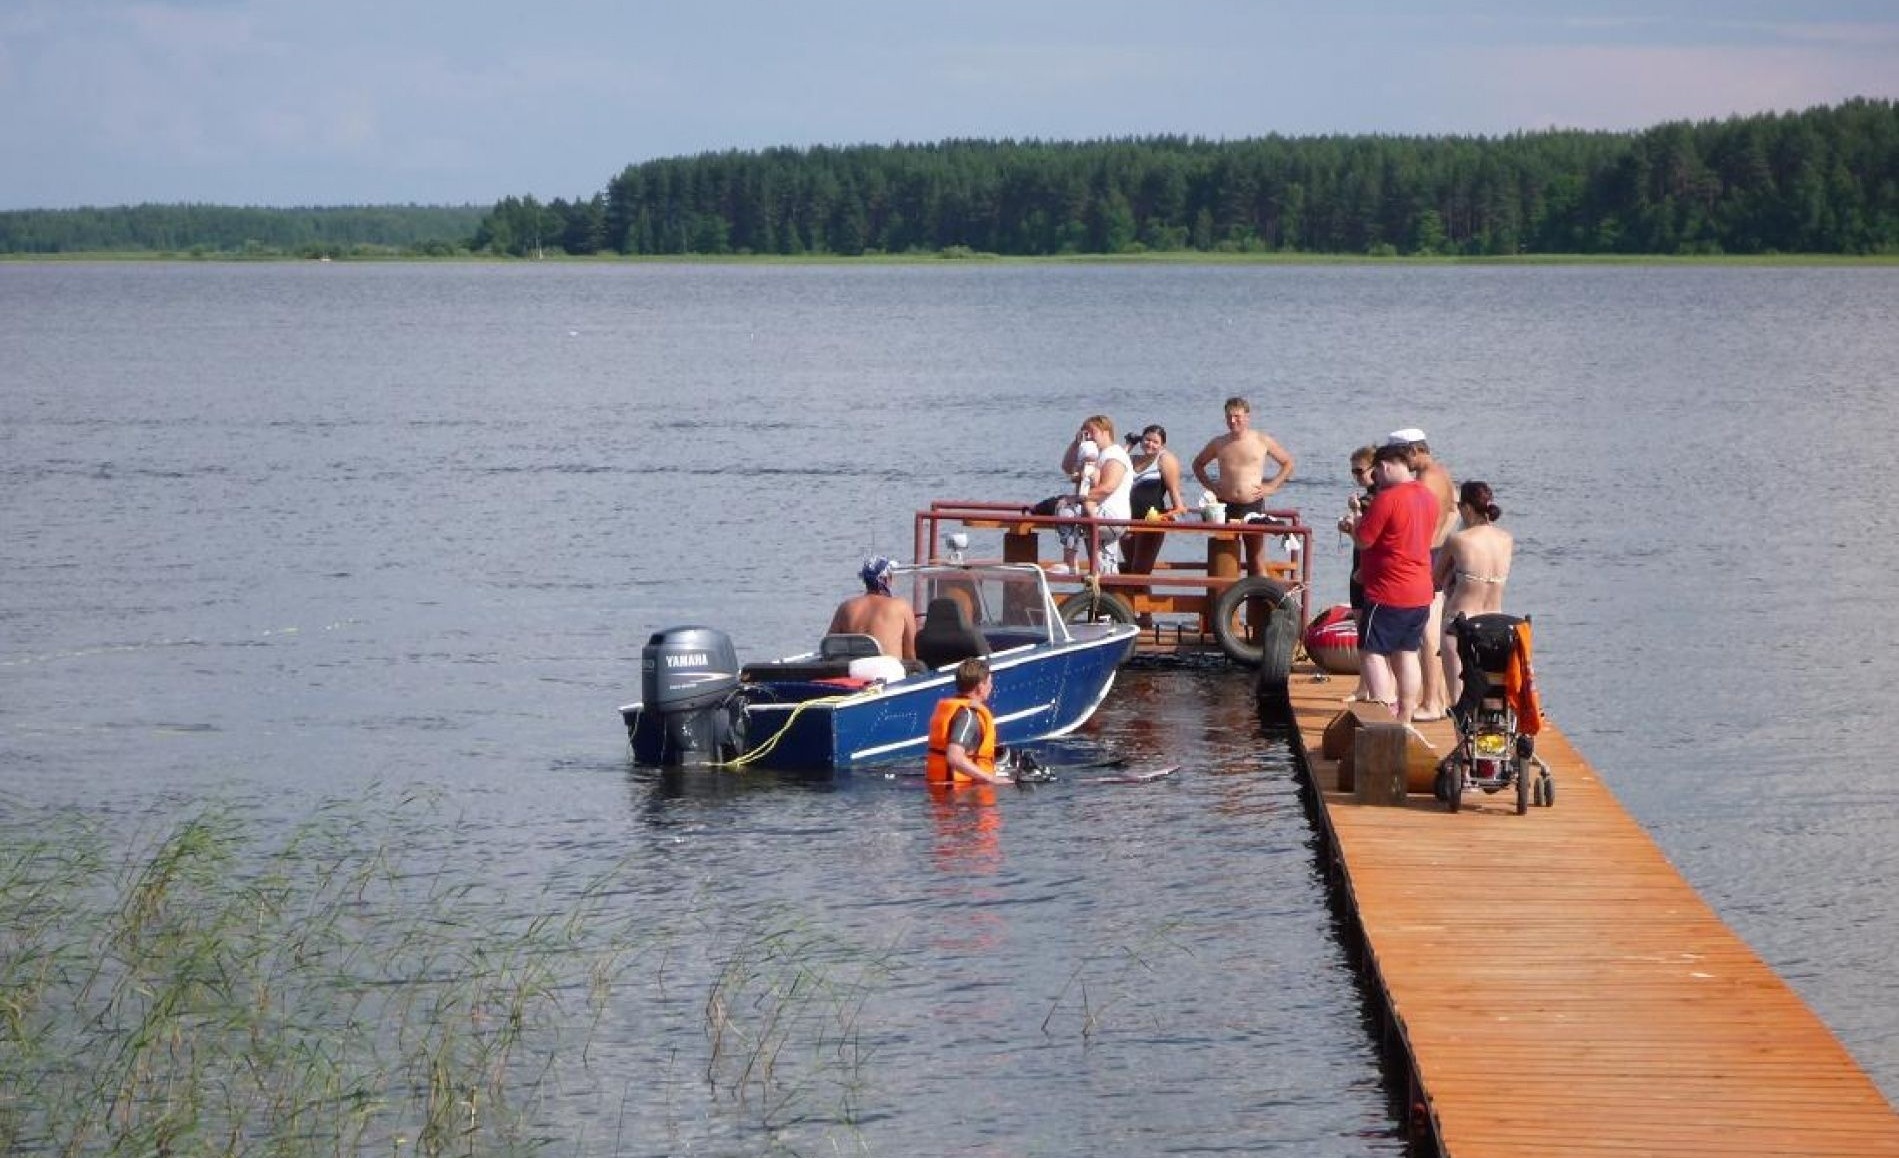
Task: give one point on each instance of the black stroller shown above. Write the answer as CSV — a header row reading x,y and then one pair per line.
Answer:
x,y
1493,752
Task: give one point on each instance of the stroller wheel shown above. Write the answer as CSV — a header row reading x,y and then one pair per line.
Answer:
x,y
1449,785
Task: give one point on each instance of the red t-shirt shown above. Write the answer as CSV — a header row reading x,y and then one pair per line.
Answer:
x,y
1394,540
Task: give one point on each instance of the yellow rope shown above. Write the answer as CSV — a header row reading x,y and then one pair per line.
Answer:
x,y
748,758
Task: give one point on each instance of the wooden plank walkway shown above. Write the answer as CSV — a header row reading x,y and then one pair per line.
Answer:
x,y
1556,988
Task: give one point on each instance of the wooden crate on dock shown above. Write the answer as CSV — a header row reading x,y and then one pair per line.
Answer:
x,y
1398,755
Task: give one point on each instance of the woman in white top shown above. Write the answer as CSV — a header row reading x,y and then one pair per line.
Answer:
x,y
1113,481
1079,462
1155,495
1472,568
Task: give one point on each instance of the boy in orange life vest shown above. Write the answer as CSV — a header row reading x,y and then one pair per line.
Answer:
x,y
963,732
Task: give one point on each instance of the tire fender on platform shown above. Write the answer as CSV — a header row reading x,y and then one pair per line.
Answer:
x,y
1227,623
1271,651
1088,606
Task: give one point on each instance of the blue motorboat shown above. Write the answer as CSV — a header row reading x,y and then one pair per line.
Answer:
x,y
845,704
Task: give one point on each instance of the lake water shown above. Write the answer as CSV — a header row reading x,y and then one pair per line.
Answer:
x,y
283,535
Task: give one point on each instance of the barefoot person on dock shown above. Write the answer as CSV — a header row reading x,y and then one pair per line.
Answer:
x,y
1154,497
1241,454
1081,461
1394,539
1355,506
1437,479
1472,569
878,613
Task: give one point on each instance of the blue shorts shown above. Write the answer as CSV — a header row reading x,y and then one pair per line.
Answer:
x,y
1387,630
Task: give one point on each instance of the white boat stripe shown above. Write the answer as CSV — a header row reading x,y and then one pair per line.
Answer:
x,y
885,749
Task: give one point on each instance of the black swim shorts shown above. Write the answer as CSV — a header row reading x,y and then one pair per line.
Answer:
x,y
1388,630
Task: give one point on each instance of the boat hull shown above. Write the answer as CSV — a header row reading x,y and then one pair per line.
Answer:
x,y
823,725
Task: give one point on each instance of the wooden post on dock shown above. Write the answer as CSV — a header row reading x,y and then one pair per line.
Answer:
x,y
1223,558
1379,764
1020,546
1413,755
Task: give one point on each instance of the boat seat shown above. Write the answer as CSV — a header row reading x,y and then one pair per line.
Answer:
x,y
946,636
848,645
795,671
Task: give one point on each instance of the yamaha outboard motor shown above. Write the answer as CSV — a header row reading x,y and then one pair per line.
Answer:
x,y
687,679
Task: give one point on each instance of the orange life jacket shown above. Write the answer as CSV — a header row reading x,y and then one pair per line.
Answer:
x,y
1519,685
936,769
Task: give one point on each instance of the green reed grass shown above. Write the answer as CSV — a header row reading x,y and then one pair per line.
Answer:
x,y
361,984
786,1023
203,991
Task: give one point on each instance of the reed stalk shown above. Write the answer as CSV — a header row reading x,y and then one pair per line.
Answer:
x,y
201,990
784,1021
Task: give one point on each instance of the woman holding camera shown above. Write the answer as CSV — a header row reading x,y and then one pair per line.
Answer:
x,y
1155,496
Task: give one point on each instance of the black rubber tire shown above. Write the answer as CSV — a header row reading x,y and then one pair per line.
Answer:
x,y
1525,785
1452,791
1272,680
1087,606
1226,610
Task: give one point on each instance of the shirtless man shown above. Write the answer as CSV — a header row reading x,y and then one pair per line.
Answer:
x,y
1437,479
878,613
1241,454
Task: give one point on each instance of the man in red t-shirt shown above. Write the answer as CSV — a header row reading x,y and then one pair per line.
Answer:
x,y
1394,563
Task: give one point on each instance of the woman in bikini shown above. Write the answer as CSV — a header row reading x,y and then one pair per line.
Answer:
x,y
1156,496
1472,569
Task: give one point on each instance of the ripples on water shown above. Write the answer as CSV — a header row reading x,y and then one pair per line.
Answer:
x,y
283,534
1073,968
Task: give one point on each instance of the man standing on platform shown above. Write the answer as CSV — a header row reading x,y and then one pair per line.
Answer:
x,y
1437,479
1394,540
1242,454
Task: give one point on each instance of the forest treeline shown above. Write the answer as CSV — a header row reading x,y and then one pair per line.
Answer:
x,y
1825,180
1821,181
341,231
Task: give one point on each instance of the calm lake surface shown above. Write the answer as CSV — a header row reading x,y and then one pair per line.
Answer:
x,y
283,535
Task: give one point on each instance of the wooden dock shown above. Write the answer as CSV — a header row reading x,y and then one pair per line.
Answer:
x,y
1554,987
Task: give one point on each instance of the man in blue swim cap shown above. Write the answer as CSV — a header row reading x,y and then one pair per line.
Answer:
x,y
878,613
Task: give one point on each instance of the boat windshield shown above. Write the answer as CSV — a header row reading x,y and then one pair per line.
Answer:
x,y
1010,606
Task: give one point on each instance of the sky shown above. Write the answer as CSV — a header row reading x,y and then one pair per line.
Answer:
x,y
355,102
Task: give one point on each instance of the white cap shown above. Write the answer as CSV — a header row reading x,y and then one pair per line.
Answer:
x,y
1405,437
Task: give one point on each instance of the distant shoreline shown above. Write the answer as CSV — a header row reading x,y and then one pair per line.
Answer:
x,y
1157,258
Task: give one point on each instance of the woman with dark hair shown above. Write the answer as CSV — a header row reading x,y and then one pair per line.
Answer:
x,y
1156,496
1473,567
